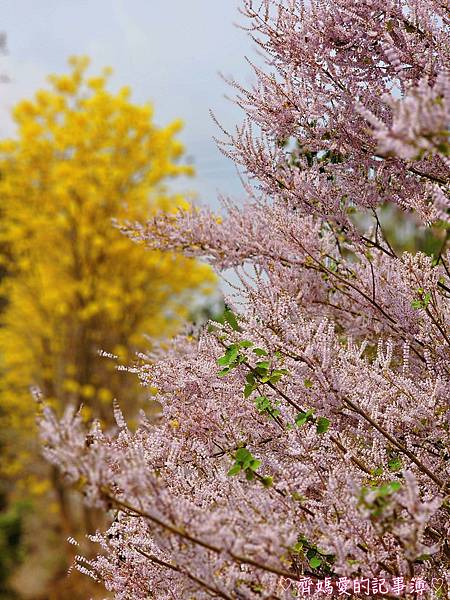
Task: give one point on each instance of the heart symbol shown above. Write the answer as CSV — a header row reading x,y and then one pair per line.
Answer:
x,y
437,583
285,584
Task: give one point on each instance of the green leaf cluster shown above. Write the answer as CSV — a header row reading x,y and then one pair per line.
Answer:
x,y
317,559
231,319
395,464
232,357
423,299
304,417
246,462
381,499
264,406
322,423
260,373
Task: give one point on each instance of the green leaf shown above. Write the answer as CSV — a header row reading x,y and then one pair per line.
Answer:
x,y
297,497
230,318
315,562
244,461
322,425
224,372
277,374
395,464
262,403
229,356
332,266
259,352
242,454
232,352
267,482
308,383
263,365
249,475
297,548
235,469
246,344
424,299
246,464
248,389
389,488
395,486
303,417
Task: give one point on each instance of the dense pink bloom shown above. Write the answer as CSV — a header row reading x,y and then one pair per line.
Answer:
x,y
310,437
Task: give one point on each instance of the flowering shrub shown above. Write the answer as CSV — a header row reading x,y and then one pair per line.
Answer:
x,y
307,435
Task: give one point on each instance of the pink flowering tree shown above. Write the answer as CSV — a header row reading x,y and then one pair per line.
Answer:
x,y
306,436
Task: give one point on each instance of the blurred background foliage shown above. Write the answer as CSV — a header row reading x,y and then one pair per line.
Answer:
x,y
73,285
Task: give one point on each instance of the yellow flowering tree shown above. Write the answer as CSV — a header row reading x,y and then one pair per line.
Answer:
x,y
75,284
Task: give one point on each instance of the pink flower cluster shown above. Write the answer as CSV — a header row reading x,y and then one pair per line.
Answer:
x,y
306,435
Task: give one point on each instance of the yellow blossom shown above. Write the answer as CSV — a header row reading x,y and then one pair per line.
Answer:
x,y
76,285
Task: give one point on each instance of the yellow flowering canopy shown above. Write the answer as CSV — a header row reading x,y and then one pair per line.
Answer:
x,y
74,283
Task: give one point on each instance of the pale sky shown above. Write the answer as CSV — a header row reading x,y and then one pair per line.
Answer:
x,y
168,51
